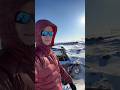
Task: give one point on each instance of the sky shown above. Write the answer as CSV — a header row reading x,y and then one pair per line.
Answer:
x,y
68,15
102,17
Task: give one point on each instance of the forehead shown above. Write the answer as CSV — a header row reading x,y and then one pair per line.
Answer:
x,y
28,7
48,28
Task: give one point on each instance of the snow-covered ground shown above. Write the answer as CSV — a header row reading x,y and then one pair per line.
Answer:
x,y
79,84
107,50
103,62
76,52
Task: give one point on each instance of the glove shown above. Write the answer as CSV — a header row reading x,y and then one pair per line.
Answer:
x,y
73,87
64,83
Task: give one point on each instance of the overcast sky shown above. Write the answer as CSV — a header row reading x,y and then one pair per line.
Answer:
x,y
102,17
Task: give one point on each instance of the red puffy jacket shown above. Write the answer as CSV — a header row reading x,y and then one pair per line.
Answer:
x,y
48,71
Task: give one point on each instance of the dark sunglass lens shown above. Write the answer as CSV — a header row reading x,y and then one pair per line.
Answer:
x,y
50,34
44,33
47,33
23,18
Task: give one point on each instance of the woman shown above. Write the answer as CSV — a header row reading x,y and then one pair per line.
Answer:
x,y
48,71
17,35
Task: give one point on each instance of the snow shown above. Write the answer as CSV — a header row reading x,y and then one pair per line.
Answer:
x,y
76,53
103,60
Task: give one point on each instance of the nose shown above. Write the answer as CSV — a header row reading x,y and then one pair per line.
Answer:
x,y
48,37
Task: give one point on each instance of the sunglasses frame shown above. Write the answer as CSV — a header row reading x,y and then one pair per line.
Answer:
x,y
48,34
32,17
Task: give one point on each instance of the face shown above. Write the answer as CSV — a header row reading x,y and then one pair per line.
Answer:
x,y
25,24
46,39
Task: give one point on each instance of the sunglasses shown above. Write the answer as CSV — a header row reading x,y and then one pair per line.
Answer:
x,y
47,33
23,17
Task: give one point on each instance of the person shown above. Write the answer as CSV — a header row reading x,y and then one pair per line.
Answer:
x,y
48,71
17,39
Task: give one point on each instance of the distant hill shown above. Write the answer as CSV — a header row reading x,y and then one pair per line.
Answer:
x,y
97,40
70,43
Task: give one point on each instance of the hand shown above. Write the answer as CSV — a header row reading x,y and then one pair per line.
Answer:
x,y
64,83
73,87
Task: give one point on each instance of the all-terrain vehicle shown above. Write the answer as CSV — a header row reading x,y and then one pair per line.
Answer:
x,y
72,67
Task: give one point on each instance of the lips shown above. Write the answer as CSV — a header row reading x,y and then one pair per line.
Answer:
x,y
26,34
48,40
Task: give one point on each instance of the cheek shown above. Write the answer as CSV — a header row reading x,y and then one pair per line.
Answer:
x,y
49,39
25,35
25,28
44,39
21,32
19,29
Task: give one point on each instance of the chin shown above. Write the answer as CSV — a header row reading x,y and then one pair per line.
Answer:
x,y
47,44
29,43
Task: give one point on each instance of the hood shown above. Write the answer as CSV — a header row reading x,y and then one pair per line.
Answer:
x,y
38,28
40,47
8,33
9,38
